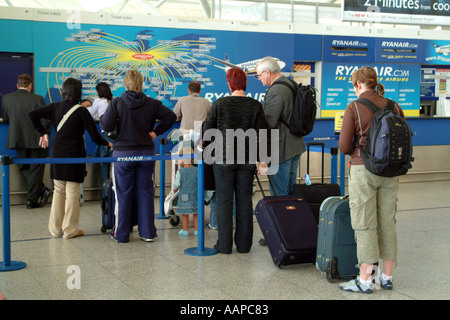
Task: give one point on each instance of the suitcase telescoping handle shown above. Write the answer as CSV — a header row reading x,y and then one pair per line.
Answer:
x,y
323,155
260,186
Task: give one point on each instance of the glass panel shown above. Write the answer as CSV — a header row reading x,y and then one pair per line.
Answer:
x,y
240,10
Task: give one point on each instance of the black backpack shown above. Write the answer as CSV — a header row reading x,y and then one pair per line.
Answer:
x,y
304,109
388,142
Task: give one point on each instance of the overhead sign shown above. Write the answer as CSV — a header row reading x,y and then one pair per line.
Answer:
x,y
398,50
418,12
345,48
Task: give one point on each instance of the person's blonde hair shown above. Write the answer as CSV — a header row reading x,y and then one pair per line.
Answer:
x,y
133,81
368,76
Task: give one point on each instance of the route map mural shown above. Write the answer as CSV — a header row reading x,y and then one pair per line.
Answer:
x,y
101,56
167,58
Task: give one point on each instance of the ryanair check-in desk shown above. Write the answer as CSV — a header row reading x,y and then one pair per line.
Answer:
x,y
431,151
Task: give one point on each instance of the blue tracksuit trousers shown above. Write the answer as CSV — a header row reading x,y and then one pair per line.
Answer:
x,y
134,179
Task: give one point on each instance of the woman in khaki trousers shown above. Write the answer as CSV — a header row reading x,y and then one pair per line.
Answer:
x,y
70,121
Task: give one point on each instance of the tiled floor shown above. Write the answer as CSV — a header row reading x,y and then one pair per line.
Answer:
x,y
161,270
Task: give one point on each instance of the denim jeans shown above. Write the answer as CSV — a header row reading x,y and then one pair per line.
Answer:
x,y
234,179
283,181
213,212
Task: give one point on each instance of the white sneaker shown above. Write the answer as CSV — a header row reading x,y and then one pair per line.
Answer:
x,y
146,239
356,286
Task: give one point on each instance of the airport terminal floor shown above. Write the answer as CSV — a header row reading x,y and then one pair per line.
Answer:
x,y
161,270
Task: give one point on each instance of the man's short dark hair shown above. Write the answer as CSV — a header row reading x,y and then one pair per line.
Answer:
x,y
194,86
24,80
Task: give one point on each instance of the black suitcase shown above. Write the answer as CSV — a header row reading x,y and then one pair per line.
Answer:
x,y
108,204
336,245
316,193
289,228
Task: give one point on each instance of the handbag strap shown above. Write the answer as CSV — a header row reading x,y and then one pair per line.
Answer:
x,y
67,115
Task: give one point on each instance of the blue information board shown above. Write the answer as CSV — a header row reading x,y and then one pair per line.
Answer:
x,y
400,81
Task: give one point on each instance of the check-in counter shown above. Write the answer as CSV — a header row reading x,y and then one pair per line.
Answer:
x,y
431,151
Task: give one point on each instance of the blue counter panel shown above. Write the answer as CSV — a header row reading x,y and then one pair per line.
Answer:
x,y
427,132
90,146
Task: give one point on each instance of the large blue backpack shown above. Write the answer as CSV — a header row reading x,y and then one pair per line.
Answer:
x,y
388,151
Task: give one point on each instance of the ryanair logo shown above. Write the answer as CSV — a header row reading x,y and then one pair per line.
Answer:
x,y
138,158
349,43
398,44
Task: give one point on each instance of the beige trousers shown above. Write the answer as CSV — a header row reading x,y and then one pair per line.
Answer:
x,y
373,206
65,211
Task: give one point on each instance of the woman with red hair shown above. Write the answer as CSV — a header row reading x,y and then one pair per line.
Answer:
x,y
234,166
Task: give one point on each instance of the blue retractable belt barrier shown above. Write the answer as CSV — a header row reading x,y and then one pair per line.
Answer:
x,y
6,161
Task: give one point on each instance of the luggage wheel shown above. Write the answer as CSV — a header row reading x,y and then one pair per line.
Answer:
x,y
332,272
174,219
329,277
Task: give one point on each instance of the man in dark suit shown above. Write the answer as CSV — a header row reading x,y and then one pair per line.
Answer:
x,y
23,138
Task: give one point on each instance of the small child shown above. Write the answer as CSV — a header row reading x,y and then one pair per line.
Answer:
x,y
186,182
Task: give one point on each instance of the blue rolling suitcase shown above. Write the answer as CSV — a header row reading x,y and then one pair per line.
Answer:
x,y
289,229
336,246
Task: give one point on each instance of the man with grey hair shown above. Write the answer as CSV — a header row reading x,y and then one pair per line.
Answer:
x,y
277,106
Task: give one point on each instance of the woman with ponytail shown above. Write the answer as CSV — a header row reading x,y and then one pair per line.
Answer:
x,y
373,199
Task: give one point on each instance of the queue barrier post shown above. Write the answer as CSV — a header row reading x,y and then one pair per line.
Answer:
x,y
6,161
162,180
7,264
200,250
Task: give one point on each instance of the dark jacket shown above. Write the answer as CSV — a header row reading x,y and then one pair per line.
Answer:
x,y
236,112
69,140
137,116
21,133
278,104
